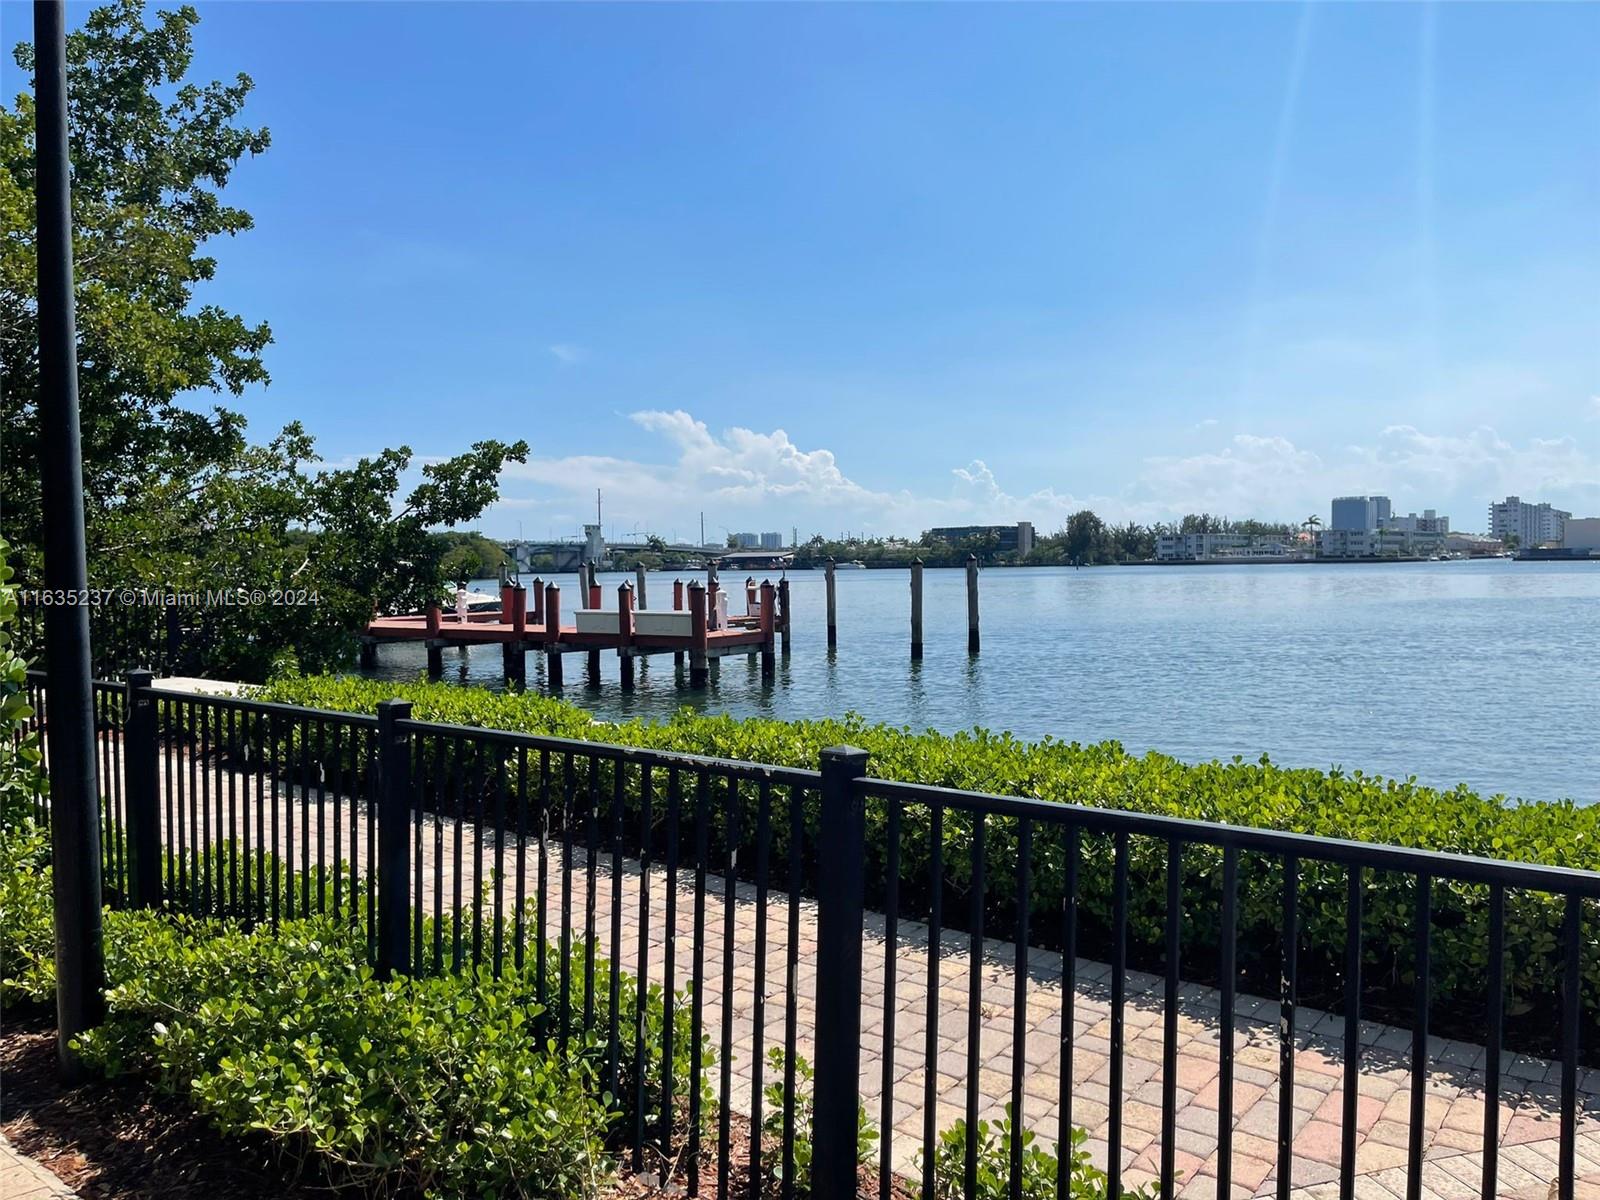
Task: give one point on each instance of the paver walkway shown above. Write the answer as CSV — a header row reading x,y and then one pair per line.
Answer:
x,y
1455,1100
21,1178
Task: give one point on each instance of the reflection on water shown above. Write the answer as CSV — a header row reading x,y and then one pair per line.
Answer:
x,y
1476,672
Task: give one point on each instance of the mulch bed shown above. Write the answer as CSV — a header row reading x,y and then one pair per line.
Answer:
x,y
124,1140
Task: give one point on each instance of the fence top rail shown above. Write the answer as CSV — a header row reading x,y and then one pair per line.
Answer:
x,y
1437,864
641,755
265,707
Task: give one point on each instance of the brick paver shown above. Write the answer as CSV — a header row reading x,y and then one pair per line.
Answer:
x,y
1454,1109
21,1178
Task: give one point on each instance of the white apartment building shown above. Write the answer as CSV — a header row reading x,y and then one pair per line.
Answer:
x,y
1200,547
1378,543
1429,522
1533,524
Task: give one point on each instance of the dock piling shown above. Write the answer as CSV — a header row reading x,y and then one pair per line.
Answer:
x,y
972,604
638,585
369,654
697,628
435,660
625,635
783,613
833,607
538,601
677,606
769,625
916,608
552,634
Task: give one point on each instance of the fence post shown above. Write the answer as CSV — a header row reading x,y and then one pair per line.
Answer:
x,y
394,838
840,888
141,787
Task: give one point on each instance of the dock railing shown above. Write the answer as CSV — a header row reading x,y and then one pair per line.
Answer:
x,y
742,890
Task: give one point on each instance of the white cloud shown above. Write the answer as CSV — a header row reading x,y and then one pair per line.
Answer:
x,y
749,478
567,354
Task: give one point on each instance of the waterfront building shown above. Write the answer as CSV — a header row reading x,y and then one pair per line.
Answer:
x,y
1379,543
1429,522
1582,533
1009,539
772,541
1360,513
1473,545
747,541
1210,547
1531,524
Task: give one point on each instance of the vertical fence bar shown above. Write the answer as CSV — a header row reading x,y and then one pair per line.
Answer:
x,y
1495,1020
394,831
591,843
1019,1003
441,800
1069,1003
791,986
1571,1013
669,961
519,933
499,858
640,1050
143,783
891,941
840,898
697,978
1169,1034
477,786
1228,970
614,992
969,1162
730,880
1288,1003
758,1011
1119,982
1352,1032
1419,1039
930,1086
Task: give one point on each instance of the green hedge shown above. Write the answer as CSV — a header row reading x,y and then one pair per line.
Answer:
x,y
435,1086
1333,804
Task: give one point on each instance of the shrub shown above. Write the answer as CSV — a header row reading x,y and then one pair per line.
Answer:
x,y
772,1122
437,1085
1040,1168
1330,804
432,1084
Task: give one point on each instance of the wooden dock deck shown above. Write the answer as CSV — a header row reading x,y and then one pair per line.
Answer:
x,y
689,630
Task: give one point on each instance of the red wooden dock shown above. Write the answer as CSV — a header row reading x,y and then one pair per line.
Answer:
x,y
690,629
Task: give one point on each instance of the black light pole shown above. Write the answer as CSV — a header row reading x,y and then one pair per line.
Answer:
x,y
74,797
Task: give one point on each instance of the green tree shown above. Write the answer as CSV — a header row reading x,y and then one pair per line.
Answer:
x,y
146,182
1085,537
176,497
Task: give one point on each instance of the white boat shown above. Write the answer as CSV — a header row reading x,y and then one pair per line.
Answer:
x,y
853,565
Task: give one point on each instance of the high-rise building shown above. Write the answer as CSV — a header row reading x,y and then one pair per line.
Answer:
x,y
772,541
747,541
1531,524
1360,513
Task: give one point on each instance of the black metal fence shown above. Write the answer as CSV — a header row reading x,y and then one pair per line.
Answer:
x,y
465,848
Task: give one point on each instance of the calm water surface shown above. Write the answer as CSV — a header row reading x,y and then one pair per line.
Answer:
x,y
1486,673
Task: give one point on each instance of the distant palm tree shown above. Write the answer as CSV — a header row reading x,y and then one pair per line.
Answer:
x,y
1311,523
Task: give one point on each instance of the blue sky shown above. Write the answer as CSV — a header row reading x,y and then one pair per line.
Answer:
x,y
875,268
